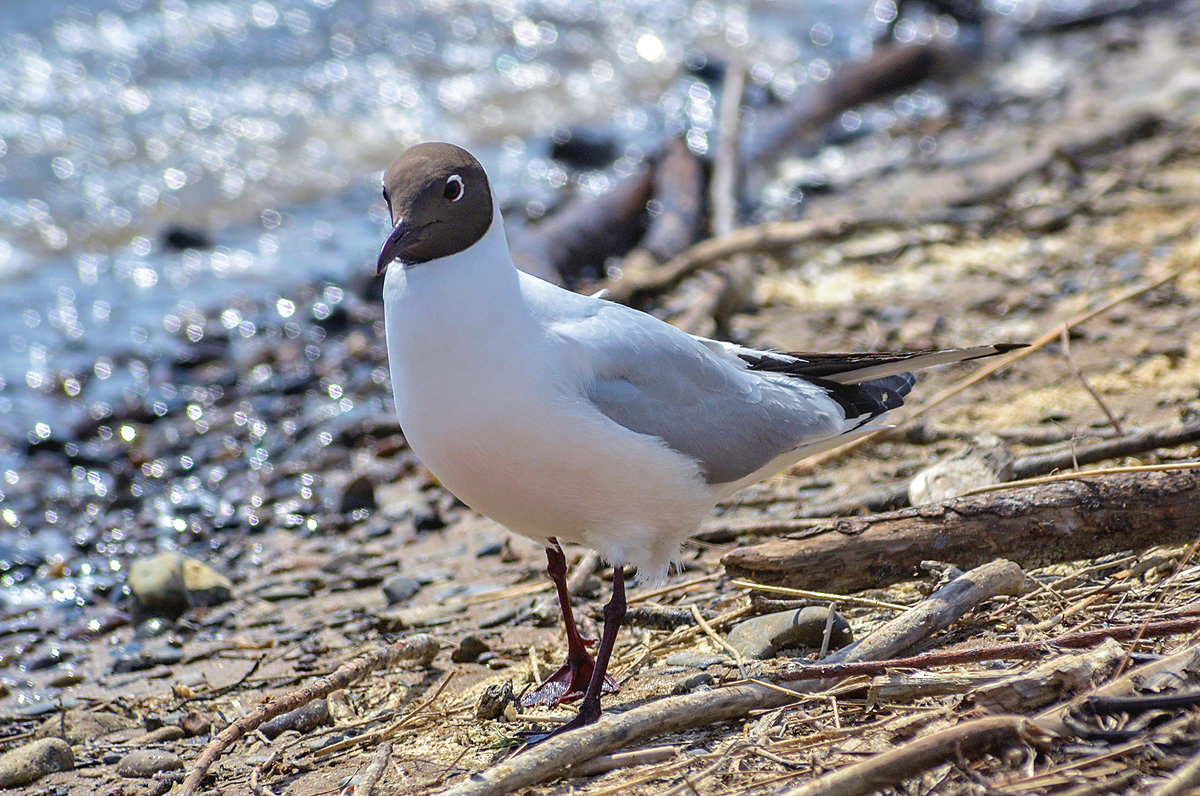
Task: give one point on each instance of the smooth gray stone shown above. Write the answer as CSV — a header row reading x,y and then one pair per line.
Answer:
x,y
145,763
763,636
32,761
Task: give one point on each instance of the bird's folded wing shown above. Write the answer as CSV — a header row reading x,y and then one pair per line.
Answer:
x,y
659,381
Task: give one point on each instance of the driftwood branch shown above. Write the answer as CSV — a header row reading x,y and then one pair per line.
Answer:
x,y
678,216
1161,675
768,237
1033,526
940,609
585,231
558,755
1017,651
1028,466
420,648
1050,681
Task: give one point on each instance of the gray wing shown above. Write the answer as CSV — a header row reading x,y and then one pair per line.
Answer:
x,y
703,402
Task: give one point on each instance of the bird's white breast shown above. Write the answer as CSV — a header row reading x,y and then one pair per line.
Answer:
x,y
490,402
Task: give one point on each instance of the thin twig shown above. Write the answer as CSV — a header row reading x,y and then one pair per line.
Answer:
x,y
1075,476
1066,349
849,599
725,645
1014,651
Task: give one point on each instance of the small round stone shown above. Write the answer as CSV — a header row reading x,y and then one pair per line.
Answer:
x,y
145,763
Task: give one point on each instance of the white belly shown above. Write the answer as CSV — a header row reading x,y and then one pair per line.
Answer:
x,y
543,469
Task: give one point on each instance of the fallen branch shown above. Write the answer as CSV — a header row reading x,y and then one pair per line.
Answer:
x,y
1024,650
1027,466
940,609
679,181
969,739
420,648
1128,445
558,755
1034,526
773,236
1050,681
994,181
585,231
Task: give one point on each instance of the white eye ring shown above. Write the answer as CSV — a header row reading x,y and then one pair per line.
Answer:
x,y
454,188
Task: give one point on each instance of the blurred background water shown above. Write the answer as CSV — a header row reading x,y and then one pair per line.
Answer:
x,y
263,127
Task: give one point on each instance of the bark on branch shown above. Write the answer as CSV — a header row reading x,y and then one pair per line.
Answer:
x,y
1027,466
1032,526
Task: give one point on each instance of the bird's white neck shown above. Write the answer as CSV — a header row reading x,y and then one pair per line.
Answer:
x,y
465,306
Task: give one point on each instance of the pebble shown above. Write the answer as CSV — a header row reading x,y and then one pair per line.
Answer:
x,y
988,461
400,588
691,683
398,619
167,584
135,658
145,763
763,636
32,761
279,592
165,734
498,617
431,575
469,649
492,549
195,723
358,494
497,701
64,679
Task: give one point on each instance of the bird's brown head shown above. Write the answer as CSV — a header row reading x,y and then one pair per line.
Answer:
x,y
440,202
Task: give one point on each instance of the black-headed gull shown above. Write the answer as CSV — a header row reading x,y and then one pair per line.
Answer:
x,y
563,416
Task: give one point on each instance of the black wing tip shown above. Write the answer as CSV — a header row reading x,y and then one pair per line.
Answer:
x,y
1003,348
870,399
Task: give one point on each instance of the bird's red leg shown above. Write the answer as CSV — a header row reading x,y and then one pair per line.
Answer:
x,y
614,613
574,676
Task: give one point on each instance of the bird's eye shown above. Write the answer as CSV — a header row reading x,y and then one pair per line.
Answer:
x,y
454,188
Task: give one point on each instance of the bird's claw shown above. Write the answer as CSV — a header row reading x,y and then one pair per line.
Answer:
x,y
567,684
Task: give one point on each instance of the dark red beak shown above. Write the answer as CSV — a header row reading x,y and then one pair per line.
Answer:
x,y
391,247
